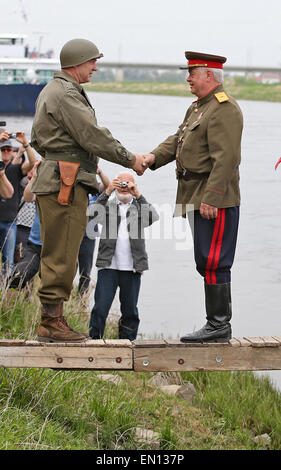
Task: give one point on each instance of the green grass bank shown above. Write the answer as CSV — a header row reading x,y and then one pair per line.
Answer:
x,y
239,88
47,409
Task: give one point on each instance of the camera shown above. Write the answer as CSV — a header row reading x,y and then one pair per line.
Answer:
x,y
124,184
13,135
2,165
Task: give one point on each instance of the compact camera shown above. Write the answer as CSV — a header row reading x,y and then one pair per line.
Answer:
x,y
13,135
2,165
124,184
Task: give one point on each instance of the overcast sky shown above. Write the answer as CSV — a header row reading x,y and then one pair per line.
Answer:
x,y
154,31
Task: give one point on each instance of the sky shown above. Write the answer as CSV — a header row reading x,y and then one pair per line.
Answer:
x,y
247,32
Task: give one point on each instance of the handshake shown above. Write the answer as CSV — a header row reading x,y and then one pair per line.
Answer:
x,y
143,162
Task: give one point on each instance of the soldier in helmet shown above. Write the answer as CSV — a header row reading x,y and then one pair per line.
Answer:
x,y
66,134
206,149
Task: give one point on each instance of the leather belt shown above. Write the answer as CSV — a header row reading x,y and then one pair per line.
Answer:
x,y
188,175
86,161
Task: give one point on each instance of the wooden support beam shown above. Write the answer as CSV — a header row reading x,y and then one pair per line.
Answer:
x,y
93,354
239,354
249,353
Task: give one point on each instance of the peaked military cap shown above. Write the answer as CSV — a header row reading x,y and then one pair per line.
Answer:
x,y
200,59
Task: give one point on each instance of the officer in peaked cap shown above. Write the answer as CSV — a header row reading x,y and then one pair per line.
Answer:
x,y
66,134
206,149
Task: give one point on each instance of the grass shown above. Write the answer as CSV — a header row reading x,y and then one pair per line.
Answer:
x,y
43,409
239,87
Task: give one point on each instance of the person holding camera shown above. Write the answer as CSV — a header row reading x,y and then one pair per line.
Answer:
x,y
6,189
9,207
122,256
28,265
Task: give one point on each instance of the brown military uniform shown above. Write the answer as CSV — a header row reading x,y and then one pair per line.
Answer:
x,y
207,151
65,128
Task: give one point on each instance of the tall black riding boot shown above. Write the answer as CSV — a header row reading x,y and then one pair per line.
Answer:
x,y
218,309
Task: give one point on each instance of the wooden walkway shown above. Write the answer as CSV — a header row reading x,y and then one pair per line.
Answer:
x,y
249,353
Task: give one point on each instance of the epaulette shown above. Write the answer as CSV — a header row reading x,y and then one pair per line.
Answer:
x,y
221,96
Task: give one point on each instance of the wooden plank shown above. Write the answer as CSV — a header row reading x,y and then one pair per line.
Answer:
x,y
102,358
235,343
88,343
270,341
12,342
152,343
179,344
244,343
173,342
95,342
256,341
118,343
217,357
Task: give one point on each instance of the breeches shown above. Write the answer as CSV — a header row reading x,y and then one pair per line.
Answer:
x,y
62,229
215,243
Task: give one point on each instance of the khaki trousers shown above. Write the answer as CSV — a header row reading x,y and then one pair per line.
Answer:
x,y
62,229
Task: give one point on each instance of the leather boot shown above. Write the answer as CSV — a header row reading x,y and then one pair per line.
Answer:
x,y
63,320
218,309
53,327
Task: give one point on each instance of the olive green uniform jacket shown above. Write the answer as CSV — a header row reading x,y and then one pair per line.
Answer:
x,y
65,128
208,143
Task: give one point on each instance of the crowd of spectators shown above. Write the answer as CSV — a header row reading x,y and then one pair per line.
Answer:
x,y
15,166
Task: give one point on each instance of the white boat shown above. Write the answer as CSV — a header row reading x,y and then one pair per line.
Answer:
x,y
23,74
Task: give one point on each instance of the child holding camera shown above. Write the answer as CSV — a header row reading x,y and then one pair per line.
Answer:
x,y
122,257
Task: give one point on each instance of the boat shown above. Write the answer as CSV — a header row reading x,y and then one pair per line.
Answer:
x,y
23,74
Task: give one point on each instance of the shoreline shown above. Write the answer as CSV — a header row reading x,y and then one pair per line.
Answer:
x,y
238,89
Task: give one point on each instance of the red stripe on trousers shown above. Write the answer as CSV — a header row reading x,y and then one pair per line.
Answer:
x,y
212,248
215,249
218,248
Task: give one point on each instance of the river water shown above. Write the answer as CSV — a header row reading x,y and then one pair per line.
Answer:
x,y
172,293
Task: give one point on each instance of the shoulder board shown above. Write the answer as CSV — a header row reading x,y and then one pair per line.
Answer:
x,y
221,97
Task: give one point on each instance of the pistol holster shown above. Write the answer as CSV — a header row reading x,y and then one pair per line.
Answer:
x,y
68,173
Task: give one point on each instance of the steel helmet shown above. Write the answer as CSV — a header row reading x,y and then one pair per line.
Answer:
x,y
78,51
